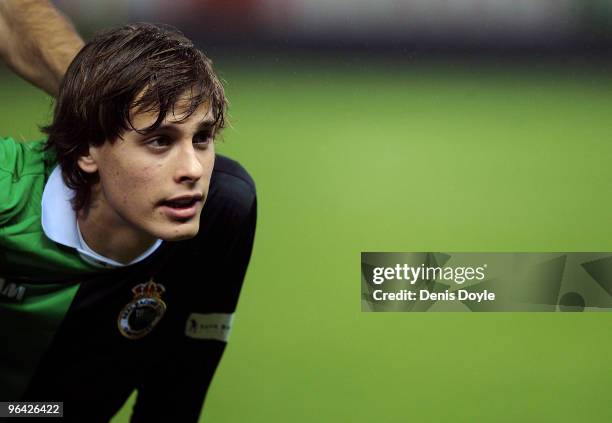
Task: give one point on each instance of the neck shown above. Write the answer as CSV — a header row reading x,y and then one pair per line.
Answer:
x,y
112,237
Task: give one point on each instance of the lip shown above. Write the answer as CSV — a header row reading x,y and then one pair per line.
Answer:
x,y
181,212
196,195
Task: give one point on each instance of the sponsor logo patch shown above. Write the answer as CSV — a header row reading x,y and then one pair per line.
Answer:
x,y
209,326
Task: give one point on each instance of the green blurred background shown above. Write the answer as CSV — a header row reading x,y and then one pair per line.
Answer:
x,y
384,155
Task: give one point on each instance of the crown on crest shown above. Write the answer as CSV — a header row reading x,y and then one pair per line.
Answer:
x,y
148,289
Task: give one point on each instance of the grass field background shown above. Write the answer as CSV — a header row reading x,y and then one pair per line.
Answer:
x,y
390,156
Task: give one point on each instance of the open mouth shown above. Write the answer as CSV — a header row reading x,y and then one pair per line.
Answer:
x,y
182,208
181,204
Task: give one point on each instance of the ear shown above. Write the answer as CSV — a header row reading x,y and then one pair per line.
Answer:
x,y
88,162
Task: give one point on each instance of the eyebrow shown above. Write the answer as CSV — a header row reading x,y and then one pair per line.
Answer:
x,y
203,125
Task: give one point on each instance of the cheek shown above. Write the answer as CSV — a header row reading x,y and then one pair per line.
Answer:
x,y
130,186
143,184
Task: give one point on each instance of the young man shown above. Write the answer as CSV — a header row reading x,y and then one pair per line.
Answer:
x,y
124,241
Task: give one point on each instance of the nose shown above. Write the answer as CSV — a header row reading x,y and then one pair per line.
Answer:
x,y
189,166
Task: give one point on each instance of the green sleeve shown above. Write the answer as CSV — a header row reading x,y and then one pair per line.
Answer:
x,y
8,160
21,166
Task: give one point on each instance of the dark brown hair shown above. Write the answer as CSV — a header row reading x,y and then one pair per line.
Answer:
x,y
141,67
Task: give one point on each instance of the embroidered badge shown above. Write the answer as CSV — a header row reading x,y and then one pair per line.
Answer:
x,y
144,312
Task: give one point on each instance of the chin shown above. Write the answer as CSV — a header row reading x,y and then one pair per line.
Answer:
x,y
180,234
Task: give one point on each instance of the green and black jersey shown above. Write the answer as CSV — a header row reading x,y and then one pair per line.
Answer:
x,y
88,336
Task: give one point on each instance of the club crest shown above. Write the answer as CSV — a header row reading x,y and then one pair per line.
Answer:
x,y
144,312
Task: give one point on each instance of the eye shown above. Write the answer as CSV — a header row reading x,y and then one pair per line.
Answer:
x,y
203,138
159,142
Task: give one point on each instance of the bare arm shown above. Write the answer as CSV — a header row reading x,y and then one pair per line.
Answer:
x,y
37,41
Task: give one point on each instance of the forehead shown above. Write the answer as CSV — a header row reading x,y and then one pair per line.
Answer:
x,y
176,114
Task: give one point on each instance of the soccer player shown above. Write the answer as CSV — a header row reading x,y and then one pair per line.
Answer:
x,y
124,239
